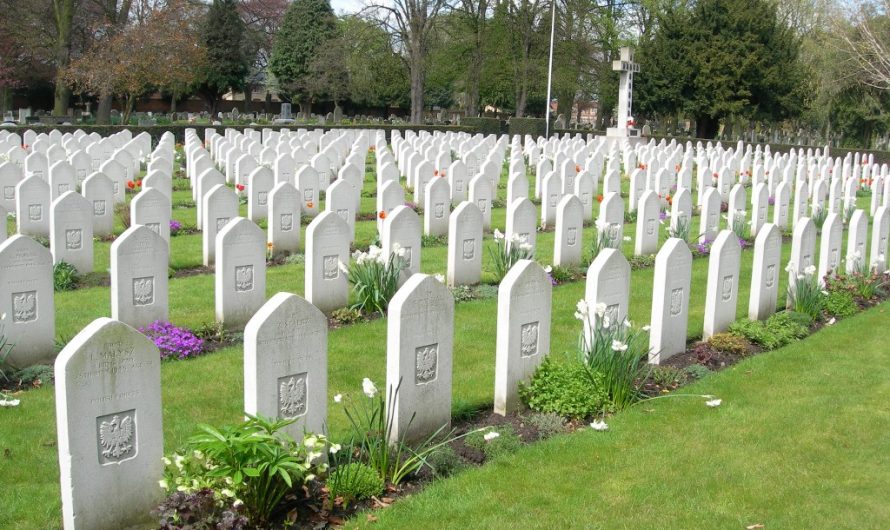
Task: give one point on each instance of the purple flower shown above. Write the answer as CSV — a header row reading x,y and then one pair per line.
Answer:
x,y
662,215
552,280
411,205
173,341
771,200
704,247
743,243
175,226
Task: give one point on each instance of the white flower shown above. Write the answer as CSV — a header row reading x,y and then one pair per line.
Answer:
x,y
178,460
166,461
627,322
582,308
238,503
163,484
714,402
831,322
498,235
548,269
198,454
440,277
619,346
789,267
647,327
601,225
338,398
824,292
627,238
525,247
599,425
368,387
600,309
343,268
334,448
313,455
490,436
227,492
310,442
811,269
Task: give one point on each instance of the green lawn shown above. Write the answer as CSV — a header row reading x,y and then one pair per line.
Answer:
x,y
210,389
800,441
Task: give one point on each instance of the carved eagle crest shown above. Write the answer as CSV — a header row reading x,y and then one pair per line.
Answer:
x,y
116,436
292,396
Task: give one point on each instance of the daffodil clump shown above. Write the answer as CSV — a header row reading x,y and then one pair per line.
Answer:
x,y
508,251
805,293
375,277
613,349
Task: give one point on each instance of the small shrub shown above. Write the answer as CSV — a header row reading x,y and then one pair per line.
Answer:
x,y
375,277
841,304
295,259
172,341
346,316
547,423
122,211
354,481
463,293
427,240
804,293
680,227
560,274
445,462
212,331
565,388
729,343
642,262
667,376
696,371
36,375
197,510
630,216
603,237
507,253
505,443
65,276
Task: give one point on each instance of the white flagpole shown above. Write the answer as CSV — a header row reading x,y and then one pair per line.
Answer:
x,y
550,67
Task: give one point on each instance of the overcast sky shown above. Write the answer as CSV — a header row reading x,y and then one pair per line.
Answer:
x,y
348,6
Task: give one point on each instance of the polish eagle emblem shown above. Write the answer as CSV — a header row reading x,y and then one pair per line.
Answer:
x,y
292,396
116,437
426,363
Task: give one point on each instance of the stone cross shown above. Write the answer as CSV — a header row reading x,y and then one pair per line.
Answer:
x,y
627,67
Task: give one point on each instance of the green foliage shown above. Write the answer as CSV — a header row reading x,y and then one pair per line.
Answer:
x,y
38,374
304,31
642,262
841,304
667,376
222,35
505,443
776,331
680,228
65,277
254,462
697,371
483,125
719,59
428,240
565,388
445,462
561,274
522,126
729,343
805,293
347,315
547,423
506,253
375,279
354,482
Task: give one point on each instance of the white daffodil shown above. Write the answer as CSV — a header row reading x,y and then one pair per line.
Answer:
x,y
310,442
490,436
789,267
334,448
163,484
601,309
343,268
312,456
440,277
619,346
498,235
626,238
647,327
525,247
831,322
548,269
713,402
599,425
811,269
368,387
338,398
582,308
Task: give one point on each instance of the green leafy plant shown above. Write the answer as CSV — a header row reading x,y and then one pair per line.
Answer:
x,y
373,438
547,423
642,262
613,350
427,240
354,481
562,274
294,259
778,330
841,304
729,343
507,253
740,226
346,316
565,388
602,238
444,462
667,376
495,442
680,227
198,510
253,462
697,371
65,277
804,292
375,278
819,215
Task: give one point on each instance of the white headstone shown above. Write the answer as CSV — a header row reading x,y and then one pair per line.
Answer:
x,y
611,219
648,224
608,283
522,218
710,214
401,233
830,245
437,207
465,245
32,206
327,246
26,298
240,275
341,200
420,335
71,231
568,237
139,265
670,300
284,219
110,434
766,272
723,283
481,196
152,208
286,363
523,331
99,191
259,183
879,236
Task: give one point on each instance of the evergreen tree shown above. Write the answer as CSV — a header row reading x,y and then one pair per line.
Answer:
x,y
222,35
307,25
722,59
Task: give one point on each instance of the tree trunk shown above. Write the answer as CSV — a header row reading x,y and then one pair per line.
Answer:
x,y
64,19
128,109
103,110
417,81
5,99
173,105
706,127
